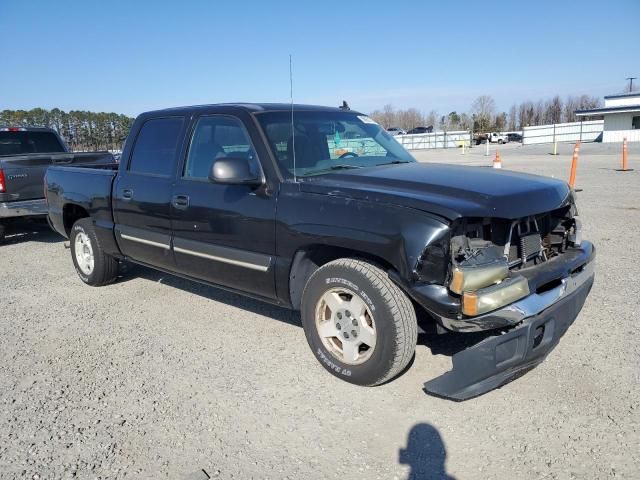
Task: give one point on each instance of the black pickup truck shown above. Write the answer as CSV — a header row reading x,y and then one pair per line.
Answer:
x,y
25,154
319,209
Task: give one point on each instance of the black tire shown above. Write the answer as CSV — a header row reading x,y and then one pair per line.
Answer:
x,y
3,230
500,142
396,328
105,267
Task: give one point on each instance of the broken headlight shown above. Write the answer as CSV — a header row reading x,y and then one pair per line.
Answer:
x,y
476,264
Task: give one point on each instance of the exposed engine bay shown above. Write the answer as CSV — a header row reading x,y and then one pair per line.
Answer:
x,y
488,254
524,243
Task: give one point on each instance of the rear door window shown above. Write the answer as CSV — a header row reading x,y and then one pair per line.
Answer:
x,y
20,143
156,147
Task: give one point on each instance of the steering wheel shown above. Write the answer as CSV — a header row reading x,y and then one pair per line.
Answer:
x,y
346,154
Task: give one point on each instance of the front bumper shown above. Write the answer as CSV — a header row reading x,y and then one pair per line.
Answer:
x,y
446,308
501,358
24,208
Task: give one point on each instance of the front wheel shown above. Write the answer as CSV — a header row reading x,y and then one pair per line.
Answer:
x,y
359,324
93,265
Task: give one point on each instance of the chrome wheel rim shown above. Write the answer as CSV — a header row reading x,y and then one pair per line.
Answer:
x,y
84,253
346,326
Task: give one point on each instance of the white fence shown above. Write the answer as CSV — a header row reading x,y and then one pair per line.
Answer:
x,y
563,132
435,140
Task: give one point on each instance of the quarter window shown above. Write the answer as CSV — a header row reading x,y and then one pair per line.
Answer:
x,y
217,137
635,123
156,147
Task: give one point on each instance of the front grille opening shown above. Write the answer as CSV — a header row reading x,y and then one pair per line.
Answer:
x,y
545,287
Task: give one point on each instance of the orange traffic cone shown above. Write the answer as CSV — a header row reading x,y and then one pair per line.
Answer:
x,y
497,161
625,154
574,165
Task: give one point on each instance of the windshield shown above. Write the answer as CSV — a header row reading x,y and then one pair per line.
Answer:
x,y
327,141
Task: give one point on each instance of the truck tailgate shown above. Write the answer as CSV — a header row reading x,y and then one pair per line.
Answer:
x,y
24,174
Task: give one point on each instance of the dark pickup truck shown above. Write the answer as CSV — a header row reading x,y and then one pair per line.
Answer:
x,y
319,209
25,154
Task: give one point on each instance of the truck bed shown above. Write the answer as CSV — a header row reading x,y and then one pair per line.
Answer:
x,y
86,186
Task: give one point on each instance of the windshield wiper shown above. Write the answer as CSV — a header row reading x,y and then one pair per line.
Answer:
x,y
333,167
395,162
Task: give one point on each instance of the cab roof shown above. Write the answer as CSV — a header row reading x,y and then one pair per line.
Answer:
x,y
248,107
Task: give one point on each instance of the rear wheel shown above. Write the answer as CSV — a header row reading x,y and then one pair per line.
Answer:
x,y
359,324
2,232
93,265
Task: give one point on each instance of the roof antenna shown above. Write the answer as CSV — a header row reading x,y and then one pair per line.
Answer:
x,y
344,106
293,132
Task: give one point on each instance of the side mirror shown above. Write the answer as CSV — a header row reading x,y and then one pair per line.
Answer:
x,y
233,171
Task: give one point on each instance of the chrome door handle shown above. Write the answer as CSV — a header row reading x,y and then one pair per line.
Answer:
x,y
127,194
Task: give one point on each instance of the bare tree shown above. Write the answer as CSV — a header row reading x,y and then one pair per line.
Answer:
x,y
483,114
513,118
484,108
465,123
553,110
538,113
408,119
571,104
431,119
388,116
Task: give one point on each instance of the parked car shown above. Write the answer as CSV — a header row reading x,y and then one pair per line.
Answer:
x,y
493,137
25,154
396,131
514,137
363,244
418,130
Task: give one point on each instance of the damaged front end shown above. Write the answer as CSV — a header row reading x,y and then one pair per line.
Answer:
x,y
524,281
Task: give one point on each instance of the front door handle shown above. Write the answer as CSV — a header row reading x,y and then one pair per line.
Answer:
x,y
127,194
181,201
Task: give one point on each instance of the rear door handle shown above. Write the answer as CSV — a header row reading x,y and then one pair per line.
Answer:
x,y
63,160
181,201
127,194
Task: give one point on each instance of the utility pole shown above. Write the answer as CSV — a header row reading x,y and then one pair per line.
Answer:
x,y
631,79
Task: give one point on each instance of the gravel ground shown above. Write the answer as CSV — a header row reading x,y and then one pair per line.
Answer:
x,y
157,377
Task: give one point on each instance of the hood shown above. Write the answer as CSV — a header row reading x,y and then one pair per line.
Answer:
x,y
450,191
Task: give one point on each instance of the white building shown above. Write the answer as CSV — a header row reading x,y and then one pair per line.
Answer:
x,y
621,115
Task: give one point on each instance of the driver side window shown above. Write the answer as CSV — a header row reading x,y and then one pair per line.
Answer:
x,y
216,137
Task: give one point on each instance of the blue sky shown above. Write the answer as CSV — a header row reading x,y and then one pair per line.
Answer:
x,y
131,56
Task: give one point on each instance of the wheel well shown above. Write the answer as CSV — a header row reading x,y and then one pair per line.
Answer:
x,y
71,213
308,260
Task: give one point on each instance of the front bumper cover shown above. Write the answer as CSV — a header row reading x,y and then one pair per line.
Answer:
x,y
501,358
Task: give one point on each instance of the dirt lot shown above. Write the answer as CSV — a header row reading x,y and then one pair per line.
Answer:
x,y
157,377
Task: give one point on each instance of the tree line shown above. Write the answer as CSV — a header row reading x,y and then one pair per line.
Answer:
x,y
81,130
85,130
483,116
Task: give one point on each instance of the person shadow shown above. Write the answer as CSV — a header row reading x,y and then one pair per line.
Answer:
x,y
425,454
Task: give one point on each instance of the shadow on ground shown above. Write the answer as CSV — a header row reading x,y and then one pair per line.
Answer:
x,y
425,454
30,231
216,294
447,344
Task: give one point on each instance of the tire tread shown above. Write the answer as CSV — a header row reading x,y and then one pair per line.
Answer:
x,y
105,266
403,313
